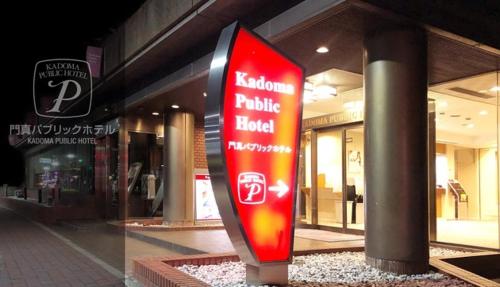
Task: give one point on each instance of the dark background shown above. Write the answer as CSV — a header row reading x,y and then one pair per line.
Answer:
x,y
38,30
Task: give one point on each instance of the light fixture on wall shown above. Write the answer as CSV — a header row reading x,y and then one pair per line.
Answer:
x,y
175,106
155,113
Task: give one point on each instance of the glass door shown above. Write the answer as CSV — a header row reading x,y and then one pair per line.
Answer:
x,y
330,180
354,154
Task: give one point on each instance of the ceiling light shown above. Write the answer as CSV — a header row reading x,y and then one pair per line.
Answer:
x,y
470,126
204,94
155,113
442,104
70,155
322,50
308,93
495,89
483,113
175,106
308,86
324,91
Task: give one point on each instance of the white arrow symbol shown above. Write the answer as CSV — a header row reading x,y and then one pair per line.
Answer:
x,y
281,188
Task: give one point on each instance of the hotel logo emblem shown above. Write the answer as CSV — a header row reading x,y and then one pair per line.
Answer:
x,y
62,88
251,188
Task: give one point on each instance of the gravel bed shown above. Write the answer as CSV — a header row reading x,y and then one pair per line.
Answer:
x,y
321,270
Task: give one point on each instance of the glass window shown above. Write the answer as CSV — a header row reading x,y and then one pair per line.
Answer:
x,y
355,178
467,160
68,167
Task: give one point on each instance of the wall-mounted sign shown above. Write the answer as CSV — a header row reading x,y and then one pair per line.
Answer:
x,y
252,129
94,58
206,207
340,118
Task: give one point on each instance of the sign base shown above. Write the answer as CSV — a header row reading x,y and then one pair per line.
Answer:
x,y
275,274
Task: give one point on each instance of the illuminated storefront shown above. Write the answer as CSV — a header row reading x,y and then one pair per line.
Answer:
x,y
465,122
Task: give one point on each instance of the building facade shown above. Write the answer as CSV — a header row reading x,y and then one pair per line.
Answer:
x,y
400,108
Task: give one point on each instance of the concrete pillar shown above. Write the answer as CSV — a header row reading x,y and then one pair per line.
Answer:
x,y
395,70
178,164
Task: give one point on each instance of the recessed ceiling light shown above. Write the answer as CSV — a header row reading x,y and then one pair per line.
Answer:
x,y
470,126
175,106
442,104
204,94
322,50
495,89
483,113
155,113
324,91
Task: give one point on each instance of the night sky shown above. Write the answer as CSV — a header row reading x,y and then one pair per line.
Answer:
x,y
38,30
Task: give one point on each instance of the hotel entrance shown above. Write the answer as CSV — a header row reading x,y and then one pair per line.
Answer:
x,y
331,192
331,162
332,156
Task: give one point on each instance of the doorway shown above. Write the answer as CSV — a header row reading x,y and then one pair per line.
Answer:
x,y
332,179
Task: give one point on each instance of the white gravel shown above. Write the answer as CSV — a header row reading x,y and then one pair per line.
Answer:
x,y
332,269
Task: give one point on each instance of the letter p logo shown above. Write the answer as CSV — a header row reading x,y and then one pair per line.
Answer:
x,y
62,88
251,188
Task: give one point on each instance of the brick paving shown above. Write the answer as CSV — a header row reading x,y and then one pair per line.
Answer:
x,y
31,256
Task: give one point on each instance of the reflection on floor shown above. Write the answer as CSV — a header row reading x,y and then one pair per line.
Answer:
x,y
468,232
322,235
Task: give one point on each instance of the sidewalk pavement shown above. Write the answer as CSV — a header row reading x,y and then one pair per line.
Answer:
x,y
32,256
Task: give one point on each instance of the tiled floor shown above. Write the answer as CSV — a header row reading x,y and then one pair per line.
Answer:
x,y
468,232
31,256
217,241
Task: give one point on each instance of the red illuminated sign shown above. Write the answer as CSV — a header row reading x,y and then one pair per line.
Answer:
x,y
252,129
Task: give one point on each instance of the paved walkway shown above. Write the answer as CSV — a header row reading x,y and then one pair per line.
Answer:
x,y
32,256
